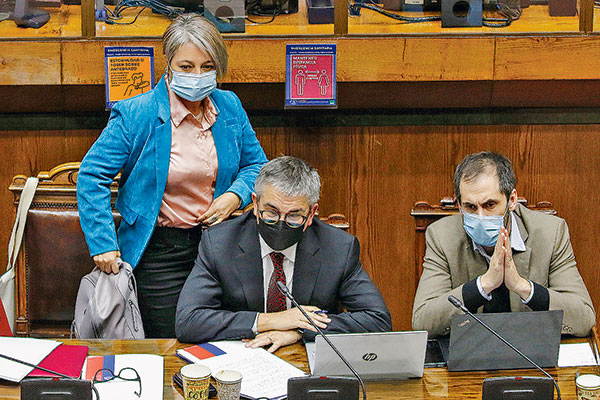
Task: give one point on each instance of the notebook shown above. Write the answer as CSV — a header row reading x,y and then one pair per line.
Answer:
x,y
375,356
474,348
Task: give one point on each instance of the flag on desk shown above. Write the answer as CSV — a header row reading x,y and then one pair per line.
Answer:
x,y
97,363
201,352
204,351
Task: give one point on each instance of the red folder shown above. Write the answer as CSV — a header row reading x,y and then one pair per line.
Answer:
x,y
4,326
66,359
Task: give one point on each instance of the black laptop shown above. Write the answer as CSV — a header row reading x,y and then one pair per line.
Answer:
x,y
474,348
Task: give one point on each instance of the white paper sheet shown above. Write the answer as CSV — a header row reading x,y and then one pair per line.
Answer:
x,y
151,369
30,350
263,374
575,355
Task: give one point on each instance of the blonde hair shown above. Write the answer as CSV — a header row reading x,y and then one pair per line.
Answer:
x,y
193,28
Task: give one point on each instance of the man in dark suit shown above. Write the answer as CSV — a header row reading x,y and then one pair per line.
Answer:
x,y
232,291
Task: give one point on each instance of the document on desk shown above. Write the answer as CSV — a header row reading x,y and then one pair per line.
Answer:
x,y
25,349
263,374
575,355
149,367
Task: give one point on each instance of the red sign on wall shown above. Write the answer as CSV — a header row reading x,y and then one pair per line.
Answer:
x,y
311,75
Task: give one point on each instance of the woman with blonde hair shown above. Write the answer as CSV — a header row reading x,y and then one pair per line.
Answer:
x,y
188,158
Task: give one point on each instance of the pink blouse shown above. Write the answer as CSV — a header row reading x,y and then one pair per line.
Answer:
x,y
193,165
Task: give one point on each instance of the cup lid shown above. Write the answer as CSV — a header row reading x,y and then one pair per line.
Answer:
x,y
195,371
228,376
588,381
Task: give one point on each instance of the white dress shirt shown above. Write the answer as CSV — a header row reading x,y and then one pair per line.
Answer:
x,y
289,258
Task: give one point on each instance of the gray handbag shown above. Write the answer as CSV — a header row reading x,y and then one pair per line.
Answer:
x,y
107,306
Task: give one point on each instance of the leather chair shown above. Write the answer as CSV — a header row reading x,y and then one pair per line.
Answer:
x,y
54,255
425,214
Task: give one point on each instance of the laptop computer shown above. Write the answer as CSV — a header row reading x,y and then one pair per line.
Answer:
x,y
536,334
375,356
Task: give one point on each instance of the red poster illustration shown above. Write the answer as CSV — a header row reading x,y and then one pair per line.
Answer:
x,y
311,75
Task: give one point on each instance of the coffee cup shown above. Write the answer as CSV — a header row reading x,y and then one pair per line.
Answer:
x,y
588,387
196,381
229,384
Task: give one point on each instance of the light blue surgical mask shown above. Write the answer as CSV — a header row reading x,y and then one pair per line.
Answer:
x,y
193,87
483,229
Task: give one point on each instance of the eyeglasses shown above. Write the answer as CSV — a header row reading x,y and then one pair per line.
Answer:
x,y
272,217
126,374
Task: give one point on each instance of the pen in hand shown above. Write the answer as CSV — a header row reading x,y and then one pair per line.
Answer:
x,y
320,312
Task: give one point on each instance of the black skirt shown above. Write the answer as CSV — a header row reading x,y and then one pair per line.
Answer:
x,y
160,275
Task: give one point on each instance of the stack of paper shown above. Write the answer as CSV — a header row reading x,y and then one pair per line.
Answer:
x,y
263,374
25,349
575,355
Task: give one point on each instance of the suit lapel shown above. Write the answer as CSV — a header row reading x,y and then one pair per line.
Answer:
x,y
521,260
306,267
476,263
247,264
222,143
163,137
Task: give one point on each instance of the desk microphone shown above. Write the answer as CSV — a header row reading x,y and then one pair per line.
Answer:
x,y
458,304
283,289
38,389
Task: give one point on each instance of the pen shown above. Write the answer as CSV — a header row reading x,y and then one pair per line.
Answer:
x,y
320,312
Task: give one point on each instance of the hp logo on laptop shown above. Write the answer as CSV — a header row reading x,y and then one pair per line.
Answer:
x,y
369,356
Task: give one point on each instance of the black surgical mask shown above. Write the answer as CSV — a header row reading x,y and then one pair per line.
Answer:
x,y
279,236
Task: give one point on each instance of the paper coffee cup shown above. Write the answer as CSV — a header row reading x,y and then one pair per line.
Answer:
x,y
588,387
229,383
196,381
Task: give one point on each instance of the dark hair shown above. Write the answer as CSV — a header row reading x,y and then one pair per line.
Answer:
x,y
477,164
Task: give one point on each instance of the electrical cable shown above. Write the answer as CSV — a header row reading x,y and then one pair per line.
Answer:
x,y
355,10
508,13
155,5
255,7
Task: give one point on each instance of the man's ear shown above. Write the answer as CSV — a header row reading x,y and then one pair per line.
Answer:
x,y
512,200
313,211
255,206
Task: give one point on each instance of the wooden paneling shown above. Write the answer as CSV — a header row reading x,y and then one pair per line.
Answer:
x,y
524,58
385,59
374,175
420,59
29,63
83,62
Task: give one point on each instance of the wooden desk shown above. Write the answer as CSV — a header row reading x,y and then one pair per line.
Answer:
x,y
437,383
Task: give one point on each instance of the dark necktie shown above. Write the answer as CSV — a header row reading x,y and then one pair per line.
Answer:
x,y
276,299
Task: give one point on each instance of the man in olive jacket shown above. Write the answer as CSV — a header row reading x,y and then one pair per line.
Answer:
x,y
497,256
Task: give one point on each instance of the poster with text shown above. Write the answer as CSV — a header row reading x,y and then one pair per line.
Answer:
x,y
129,71
310,76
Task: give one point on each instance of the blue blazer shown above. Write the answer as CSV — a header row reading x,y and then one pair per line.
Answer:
x,y
137,143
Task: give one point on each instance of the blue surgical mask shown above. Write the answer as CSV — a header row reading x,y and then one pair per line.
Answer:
x,y
483,229
193,87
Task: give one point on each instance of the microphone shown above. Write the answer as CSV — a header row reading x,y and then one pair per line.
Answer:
x,y
458,304
283,289
16,360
